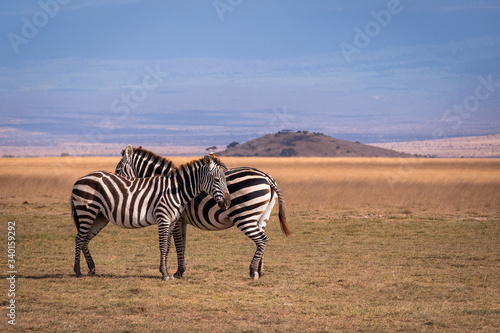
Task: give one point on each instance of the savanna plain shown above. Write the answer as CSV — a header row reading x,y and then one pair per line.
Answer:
x,y
377,245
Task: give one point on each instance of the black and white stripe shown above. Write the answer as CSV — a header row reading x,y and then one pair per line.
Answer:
x,y
253,194
101,197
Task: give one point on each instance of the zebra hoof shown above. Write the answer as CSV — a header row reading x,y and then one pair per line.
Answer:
x,y
92,272
167,278
79,275
254,275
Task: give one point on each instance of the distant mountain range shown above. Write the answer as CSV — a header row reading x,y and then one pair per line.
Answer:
x,y
306,144
284,143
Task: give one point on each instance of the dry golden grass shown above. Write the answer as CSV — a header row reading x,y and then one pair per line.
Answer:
x,y
359,186
377,245
389,186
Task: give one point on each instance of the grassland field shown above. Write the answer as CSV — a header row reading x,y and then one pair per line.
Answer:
x,y
377,245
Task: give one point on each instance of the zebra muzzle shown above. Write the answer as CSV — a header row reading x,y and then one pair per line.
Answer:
x,y
224,204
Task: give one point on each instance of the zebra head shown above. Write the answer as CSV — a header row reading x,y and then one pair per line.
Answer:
x,y
124,167
214,180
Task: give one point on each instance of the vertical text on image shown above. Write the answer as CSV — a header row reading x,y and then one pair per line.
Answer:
x,y
11,271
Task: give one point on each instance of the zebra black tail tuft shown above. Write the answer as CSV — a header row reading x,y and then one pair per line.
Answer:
x,y
282,213
282,206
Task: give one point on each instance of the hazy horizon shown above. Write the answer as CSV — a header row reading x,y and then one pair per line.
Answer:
x,y
202,73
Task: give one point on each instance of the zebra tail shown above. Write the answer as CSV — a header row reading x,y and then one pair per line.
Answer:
x,y
75,216
282,207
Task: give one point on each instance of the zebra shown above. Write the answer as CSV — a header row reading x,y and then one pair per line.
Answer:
x,y
101,197
253,195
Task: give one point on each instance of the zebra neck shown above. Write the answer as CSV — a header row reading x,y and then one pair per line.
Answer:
x,y
187,179
148,166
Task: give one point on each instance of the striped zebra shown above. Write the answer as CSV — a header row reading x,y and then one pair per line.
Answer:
x,y
253,195
101,197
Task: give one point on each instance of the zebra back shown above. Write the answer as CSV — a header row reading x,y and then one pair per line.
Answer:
x,y
139,162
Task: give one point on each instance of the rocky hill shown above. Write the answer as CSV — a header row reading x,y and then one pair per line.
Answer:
x,y
303,143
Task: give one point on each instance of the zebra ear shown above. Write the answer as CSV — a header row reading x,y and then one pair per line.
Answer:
x,y
128,152
208,162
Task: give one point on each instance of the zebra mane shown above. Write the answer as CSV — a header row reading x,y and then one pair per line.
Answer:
x,y
152,158
217,161
200,161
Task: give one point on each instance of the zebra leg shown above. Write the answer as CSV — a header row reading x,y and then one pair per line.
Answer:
x,y
180,246
78,247
261,267
256,266
260,239
84,217
99,223
164,235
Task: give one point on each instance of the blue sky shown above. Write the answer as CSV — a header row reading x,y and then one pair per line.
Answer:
x,y
211,72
